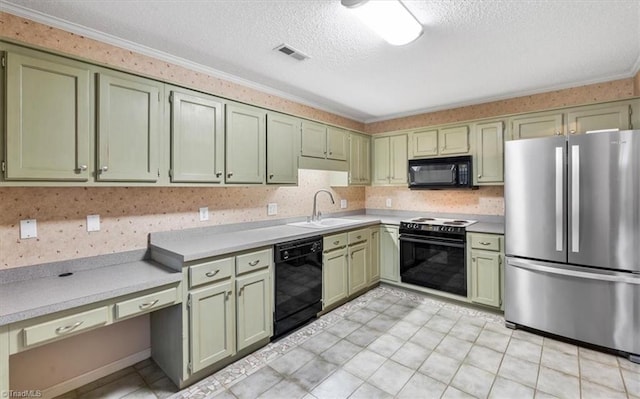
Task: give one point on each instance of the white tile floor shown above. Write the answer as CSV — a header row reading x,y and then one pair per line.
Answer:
x,y
393,343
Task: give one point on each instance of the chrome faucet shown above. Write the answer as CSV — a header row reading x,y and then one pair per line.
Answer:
x,y
315,216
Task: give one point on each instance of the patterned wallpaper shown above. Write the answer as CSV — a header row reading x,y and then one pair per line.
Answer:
x,y
487,200
128,214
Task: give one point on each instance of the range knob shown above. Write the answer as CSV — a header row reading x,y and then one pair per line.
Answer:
x,y
285,255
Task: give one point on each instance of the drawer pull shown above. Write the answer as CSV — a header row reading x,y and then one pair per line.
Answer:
x,y
211,274
148,304
336,242
358,237
255,262
484,243
66,329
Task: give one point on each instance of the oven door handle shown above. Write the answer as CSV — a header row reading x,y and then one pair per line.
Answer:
x,y
443,243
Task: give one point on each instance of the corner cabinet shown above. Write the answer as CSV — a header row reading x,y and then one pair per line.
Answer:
x,y
283,148
489,159
48,124
359,159
128,122
389,254
484,261
197,137
245,144
390,160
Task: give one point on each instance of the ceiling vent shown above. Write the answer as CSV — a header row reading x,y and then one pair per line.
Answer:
x,y
291,52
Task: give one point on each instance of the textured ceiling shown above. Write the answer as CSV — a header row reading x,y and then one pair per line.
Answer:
x,y
472,51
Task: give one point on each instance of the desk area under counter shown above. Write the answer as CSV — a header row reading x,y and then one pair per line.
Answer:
x,y
47,303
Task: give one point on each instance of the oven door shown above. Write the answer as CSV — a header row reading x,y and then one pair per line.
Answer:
x,y
434,262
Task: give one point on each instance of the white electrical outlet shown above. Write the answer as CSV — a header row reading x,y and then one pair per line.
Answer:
x,y
28,228
93,222
272,209
343,204
387,203
204,213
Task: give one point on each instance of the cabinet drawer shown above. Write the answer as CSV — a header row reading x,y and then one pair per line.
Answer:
x,y
146,303
335,241
485,241
209,272
65,326
253,261
358,236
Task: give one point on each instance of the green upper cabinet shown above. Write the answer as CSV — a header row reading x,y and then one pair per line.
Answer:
x,y
489,159
390,159
283,148
314,140
48,125
337,143
599,117
454,140
359,159
197,138
245,142
424,143
128,121
536,125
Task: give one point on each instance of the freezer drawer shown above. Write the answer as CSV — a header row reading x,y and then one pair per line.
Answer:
x,y
594,306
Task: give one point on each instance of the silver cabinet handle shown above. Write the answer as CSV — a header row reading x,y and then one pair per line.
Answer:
x,y
330,152
147,305
83,167
211,274
104,169
575,198
218,174
255,262
229,174
573,131
69,328
558,133
229,294
336,242
479,176
484,243
559,194
271,176
240,291
473,259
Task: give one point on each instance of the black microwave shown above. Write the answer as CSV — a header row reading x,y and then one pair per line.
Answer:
x,y
441,173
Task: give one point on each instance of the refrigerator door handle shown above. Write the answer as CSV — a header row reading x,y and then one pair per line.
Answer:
x,y
628,278
559,199
575,198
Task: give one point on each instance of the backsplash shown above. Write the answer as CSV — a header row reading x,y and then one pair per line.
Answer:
x,y
488,200
129,214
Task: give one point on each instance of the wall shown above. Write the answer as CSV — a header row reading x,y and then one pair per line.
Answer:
x,y
129,214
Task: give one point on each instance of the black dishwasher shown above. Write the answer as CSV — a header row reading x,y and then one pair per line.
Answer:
x,y
298,283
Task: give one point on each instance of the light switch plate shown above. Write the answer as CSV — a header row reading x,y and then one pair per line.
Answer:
x,y
204,214
343,204
388,203
93,223
28,228
272,209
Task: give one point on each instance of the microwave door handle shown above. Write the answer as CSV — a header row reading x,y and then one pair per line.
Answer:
x,y
454,174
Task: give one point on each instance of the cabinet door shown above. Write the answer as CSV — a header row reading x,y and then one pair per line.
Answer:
x,y
197,138
381,160
485,278
424,143
398,159
389,254
334,277
314,140
255,316
211,325
454,140
490,153
47,119
337,144
536,125
128,128
245,142
586,119
359,159
373,275
283,148
358,267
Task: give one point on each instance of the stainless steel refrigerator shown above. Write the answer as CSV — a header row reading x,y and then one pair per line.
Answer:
x,y
572,237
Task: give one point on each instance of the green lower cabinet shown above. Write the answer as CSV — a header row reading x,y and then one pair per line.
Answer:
x,y
254,313
212,325
334,277
485,253
374,255
389,254
358,265
48,125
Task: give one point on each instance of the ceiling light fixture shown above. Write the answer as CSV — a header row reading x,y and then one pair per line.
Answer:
x,y
388,18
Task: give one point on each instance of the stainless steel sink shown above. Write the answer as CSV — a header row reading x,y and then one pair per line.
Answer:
x,y
325,223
